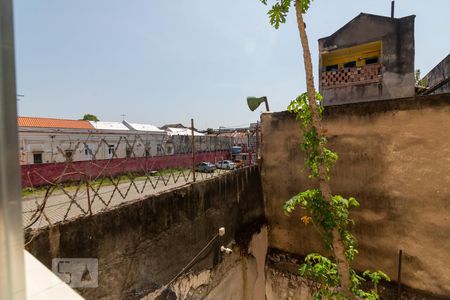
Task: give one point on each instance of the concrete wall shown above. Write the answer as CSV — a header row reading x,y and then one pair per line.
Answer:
x,y
438,75
395,159
248,277
144,244
284,282
41,174
240,275
397,58
237,277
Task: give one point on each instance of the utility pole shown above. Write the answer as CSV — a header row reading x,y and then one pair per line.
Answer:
x,y
193,149
392,8
257,141
399,274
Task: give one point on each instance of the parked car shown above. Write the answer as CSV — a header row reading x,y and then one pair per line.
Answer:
x,y
239,163
225,164
205,166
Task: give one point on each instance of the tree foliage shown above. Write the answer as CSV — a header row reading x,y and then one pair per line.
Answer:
x,y
280,9
323,272
421,83
90,117
326,215
330,214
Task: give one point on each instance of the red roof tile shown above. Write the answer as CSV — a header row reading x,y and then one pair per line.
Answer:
x,y
53,123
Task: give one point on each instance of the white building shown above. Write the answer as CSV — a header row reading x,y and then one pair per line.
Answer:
x,y
182,131
47,140
152,138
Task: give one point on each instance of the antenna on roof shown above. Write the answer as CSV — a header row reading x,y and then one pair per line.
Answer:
x,y
123,117
392,8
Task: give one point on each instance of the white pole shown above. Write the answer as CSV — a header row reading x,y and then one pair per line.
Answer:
x,y
12,282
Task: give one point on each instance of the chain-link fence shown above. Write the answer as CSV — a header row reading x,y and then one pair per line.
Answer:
x,y
75,174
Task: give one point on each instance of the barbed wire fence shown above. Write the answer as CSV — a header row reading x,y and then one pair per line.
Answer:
x,y
87,174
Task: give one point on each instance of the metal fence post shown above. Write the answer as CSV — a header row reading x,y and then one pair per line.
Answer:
x,y
257,141
399,274
193,149
249,149
12,280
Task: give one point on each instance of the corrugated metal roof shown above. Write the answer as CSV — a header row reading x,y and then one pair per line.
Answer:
x,y
53,123
108,125
177,125
234,134
182,131
143,127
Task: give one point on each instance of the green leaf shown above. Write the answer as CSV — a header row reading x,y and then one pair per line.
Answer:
x,y
305,5
353,202
277,15
376,276
326,215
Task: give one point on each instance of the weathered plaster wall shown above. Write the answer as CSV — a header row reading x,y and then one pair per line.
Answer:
x,y
282,285
397,58
284,282
144,244
438,75
240,275
395,159
247,279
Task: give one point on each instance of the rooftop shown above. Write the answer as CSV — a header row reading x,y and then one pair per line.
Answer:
x,y
142,127
108,125
177,125
182,131
366,16
53,123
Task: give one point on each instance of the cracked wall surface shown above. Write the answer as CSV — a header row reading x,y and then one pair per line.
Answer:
x,y
242,277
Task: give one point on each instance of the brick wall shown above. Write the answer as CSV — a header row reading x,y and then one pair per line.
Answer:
x,y
351,76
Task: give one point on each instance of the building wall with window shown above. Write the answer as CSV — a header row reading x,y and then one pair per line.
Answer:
x,y
182,144
44,140
370,58
56,145
48,145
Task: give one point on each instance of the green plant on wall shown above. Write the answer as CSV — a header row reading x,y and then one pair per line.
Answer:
x,y
332,277
420,83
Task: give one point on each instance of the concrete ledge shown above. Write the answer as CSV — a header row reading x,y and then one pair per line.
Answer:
x,y
42,284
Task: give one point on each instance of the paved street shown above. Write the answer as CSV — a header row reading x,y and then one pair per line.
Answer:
x,y
59,206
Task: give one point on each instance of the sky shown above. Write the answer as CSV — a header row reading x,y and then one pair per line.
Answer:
x,y
160,62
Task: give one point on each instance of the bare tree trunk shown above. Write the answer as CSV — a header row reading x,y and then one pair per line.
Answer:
x,y
338,246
